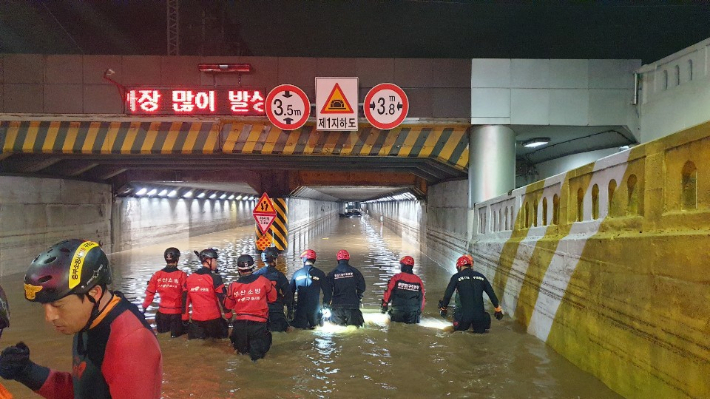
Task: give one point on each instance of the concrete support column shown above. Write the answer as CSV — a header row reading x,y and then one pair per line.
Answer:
x,y
491,164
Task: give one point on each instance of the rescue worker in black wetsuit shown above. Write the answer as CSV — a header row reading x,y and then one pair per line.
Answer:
x,y
306,286
115,352
345,289
277,318
470,286
406,292
4,323
205,291
169,284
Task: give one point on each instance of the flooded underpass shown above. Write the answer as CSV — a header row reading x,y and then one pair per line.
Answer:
x,y
380,360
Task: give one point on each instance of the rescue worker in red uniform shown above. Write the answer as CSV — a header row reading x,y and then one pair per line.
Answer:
x,y
204,290
169,284
250,297
306,286
470,286
406,292
115,352
346,286
277,318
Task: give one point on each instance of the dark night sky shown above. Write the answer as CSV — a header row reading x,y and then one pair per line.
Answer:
x,y
402,29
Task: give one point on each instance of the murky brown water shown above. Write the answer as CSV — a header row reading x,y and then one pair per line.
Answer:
x,y
381,360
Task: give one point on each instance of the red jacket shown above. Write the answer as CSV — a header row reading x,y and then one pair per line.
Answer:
x,y
204,291
169,284
406,291
249,296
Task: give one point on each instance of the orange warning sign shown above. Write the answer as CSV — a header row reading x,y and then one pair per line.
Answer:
x,y
265,206
263,242
336,102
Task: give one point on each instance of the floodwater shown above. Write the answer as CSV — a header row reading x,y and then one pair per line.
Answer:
x,y
380,360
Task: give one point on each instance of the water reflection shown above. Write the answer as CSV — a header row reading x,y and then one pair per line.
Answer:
x,y
382,359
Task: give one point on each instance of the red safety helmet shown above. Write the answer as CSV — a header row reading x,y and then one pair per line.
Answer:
x,y
465,260
407,261
308,254
343,255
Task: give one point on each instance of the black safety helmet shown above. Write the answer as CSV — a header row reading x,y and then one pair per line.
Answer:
x,y
4,311
209,253
171,255
245,262
270,254
68,267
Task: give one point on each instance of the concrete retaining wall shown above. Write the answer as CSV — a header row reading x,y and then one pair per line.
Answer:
x,y
36,213
607,264
146,221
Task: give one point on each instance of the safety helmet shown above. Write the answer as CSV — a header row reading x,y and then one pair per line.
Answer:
x,y
343,255
68,267
407,261
4,311
308,254
245,262
209,253
171,255
465,260
269,254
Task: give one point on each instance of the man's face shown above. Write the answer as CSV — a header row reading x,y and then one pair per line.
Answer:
x,y
68,315
212,263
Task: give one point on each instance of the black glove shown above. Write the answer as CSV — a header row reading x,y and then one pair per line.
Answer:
x,y
499,313
383,310
15,361
443,310
290,314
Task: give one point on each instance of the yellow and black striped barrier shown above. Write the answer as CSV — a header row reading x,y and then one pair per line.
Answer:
x,y
442,143
277,235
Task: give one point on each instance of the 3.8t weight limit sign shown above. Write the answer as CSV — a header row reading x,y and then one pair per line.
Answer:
x,y
386,105
287,107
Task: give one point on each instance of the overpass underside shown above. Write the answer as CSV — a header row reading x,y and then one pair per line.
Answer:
x,y
408,158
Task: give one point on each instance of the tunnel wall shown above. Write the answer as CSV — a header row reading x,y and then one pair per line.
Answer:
x,y
36,213
144,221
445,216
305,215
607,263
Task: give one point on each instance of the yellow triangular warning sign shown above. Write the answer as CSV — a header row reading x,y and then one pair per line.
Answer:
x,y
264,205
336,102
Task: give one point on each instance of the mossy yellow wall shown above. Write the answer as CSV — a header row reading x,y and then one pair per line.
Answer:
x,y
622,291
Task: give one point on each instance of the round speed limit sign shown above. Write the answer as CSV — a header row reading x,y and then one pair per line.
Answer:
x,y
385,106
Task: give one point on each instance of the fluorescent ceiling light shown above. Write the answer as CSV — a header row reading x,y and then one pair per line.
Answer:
x,y
153,191
172,193
187,194
213,196
163,193
142,191
238,197
231,197
536,142
223,196
202,195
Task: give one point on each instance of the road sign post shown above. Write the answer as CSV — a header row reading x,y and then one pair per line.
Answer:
x,y
287,107
264,213
385,106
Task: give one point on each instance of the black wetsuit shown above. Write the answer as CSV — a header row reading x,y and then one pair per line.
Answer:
x,y
307,283
277,318
470,286
346,285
